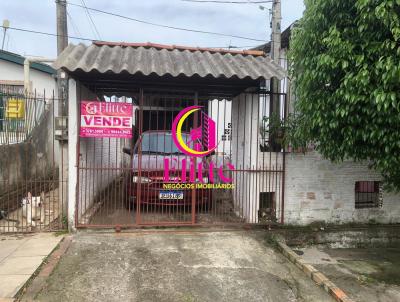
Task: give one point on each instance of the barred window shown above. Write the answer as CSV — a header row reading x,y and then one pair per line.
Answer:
x,y
368,194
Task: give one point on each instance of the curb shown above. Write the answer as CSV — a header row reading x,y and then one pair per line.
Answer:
x,y
32,288
319,278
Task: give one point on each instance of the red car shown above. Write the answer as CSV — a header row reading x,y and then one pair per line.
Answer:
x,y
149,155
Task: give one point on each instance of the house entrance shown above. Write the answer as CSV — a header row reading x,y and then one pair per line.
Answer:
x,y
156,178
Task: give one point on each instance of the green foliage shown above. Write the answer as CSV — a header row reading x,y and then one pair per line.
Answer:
x,y
345,58
283,131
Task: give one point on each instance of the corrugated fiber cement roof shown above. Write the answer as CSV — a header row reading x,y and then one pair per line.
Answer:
x,y
149,59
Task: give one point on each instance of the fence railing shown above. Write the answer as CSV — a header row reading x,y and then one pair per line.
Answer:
x,y
19,114
32,180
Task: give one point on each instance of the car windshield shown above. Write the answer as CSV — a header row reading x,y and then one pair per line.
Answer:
x,y
160,143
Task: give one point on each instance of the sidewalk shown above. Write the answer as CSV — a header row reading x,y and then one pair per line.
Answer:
x,y
20,256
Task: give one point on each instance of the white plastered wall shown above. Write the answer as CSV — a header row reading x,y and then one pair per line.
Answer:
x,y
93,153
246,155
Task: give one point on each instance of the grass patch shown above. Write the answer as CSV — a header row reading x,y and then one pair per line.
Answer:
x,y
61,233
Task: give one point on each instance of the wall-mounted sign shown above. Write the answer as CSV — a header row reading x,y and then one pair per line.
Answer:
x,y
15,109
105,119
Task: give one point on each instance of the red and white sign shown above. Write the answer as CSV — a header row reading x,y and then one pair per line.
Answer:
x,y
104,119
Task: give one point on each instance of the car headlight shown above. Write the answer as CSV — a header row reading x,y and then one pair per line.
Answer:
x,y
141,179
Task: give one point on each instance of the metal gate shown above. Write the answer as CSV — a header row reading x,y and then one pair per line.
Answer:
x,y
32,186
195,159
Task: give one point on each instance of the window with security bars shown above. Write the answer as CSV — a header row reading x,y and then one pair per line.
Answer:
x,y
368,194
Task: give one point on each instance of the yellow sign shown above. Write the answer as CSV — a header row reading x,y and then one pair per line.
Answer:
x,y
15,108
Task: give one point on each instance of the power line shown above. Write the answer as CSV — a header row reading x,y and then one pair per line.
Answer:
x,y
8,40
166,26
46,34
73,25
93,25
91,40
229,2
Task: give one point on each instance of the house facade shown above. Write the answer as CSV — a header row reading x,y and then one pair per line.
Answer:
x,y
161,81
42,85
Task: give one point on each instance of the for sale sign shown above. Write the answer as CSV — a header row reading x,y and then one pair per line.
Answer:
x,y
105,119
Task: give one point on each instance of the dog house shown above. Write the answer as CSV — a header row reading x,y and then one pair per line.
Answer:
x,y
170,135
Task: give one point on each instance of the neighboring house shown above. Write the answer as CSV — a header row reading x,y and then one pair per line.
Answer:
x,y
29,153
42,79
319,190
42,76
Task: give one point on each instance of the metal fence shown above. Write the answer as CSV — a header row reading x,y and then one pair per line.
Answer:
x,y
32,195
19,114
150,181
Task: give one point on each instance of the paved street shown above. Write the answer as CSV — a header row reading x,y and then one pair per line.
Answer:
x,y
177,266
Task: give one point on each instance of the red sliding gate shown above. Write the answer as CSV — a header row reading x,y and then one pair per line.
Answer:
x,y
151,180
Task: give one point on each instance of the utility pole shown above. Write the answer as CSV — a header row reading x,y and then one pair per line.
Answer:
x,y
62,28
62,43
276,30
275,104
62,119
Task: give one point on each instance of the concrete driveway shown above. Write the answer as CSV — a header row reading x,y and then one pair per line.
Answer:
x,y
177,266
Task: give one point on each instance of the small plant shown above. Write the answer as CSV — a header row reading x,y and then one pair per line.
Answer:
x,y
64,221
365,280
277,132
61,233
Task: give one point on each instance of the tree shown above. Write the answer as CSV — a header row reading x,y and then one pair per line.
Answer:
x,y
345,64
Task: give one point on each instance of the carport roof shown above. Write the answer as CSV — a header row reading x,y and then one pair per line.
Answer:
x,y
147,59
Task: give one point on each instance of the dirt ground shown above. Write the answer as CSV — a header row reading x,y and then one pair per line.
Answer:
x,y
113,211
185,266
16,222
368,274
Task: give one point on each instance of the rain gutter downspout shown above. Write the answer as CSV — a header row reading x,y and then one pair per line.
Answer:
x,y
27,63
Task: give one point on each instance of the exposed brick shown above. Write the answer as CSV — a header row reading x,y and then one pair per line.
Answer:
x,y
311,195
338,205
319,278
314,274
337,293
300,263
313,183
309,270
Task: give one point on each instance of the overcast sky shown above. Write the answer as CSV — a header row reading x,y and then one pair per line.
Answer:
x,y
236,19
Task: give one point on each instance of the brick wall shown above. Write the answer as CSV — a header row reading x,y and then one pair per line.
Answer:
x,y
318,190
